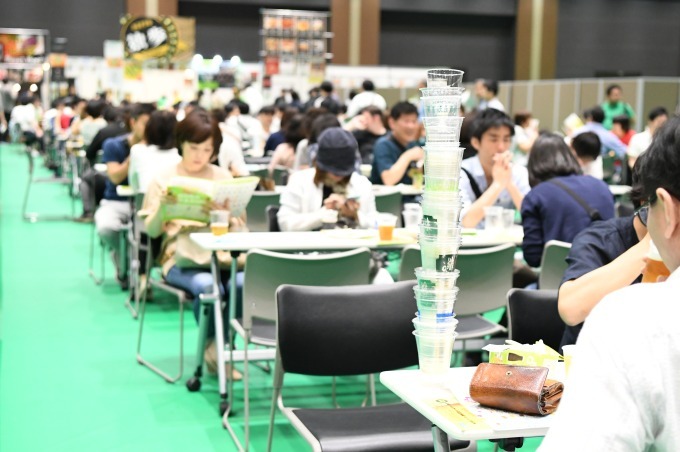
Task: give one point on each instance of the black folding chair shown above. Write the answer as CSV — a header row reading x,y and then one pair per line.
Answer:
x,y
341,331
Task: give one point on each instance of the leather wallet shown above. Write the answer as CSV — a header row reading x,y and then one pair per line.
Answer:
x,y
521,389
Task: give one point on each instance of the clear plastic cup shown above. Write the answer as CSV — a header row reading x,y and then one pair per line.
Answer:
x,y
508,219
434,352
431,279
445,184
442,146
442,91
442,212
442,77
412,218
435,295
441,106
493,218
435,304
443,155
434,230
432,311
439,254
451,138
443,197
441,325
451,171
443,124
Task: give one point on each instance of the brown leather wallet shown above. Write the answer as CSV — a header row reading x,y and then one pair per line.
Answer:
x,y
520,389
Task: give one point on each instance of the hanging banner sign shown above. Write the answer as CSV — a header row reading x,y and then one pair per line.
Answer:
x,y
146,38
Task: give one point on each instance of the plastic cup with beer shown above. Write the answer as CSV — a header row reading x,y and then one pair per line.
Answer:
x,y
654,267
386,225
219,222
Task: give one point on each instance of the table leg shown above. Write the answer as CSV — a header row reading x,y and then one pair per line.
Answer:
x,y
219,330
440,439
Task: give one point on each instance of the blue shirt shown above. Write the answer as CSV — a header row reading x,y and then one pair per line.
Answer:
x,y
550,213
115,150
386,152
273,141
520,177
608,140
596,247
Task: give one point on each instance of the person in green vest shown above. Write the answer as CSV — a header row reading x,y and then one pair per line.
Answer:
x,y
615,106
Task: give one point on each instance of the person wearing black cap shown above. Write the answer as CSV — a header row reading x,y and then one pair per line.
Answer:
x,y
330,185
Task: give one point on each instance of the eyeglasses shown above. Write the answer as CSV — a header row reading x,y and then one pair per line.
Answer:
x,y
642,213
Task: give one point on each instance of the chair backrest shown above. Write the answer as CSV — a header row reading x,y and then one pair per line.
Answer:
x,y
389,203
553,264
608,167
272,219
533,315
410,260
256,211
346,330
266,270
485,278
280,175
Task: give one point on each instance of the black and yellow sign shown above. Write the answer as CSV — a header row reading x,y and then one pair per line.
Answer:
x,y
146,38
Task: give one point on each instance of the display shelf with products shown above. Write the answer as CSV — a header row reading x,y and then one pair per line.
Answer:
x,y
293,40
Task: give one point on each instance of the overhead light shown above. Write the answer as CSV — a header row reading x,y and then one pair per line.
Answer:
x,y
235,60
217,60
33,88
46,67
16,88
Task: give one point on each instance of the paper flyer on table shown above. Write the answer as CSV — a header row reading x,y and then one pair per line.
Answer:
x,y
500,420
192,194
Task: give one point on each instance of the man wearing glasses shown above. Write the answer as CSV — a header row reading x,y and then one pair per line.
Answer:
x,y
623,392
607,256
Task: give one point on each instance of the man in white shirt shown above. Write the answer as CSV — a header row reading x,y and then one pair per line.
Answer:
x,y
490,178
365,99
586,147
623,392
641,141
487,92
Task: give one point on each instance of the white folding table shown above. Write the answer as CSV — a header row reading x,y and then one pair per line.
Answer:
x,y
442,402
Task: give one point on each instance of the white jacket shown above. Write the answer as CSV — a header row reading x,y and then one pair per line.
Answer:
x,y
301,206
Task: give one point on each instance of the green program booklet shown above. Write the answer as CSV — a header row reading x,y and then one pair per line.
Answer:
x,y
192,193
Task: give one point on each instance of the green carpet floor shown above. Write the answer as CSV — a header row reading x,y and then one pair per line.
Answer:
x,y
69,380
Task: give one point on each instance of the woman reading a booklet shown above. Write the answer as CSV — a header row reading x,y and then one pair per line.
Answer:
x,y
185,264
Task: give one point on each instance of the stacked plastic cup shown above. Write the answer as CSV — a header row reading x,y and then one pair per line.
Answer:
x,y
439,232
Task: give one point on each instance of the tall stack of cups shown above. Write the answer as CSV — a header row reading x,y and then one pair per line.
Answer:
x,y
440,234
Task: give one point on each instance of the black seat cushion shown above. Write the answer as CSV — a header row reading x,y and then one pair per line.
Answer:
x,y
396,427
472,324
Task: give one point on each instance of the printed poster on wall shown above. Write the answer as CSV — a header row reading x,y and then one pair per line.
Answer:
x,y
167,38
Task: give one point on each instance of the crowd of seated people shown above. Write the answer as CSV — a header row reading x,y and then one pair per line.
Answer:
x,y
554,181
